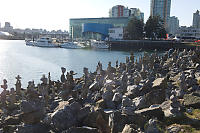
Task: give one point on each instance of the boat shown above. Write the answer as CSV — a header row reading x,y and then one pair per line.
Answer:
x,y
29,43
45,42
70,45
99,44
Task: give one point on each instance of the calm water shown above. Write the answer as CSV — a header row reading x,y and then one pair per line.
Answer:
x,y
32,62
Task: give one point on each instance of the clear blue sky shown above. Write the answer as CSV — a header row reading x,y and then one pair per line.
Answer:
x,y
55,14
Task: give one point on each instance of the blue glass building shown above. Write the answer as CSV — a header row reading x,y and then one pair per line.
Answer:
x,y
94,28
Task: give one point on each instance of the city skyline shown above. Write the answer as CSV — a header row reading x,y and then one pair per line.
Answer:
x,y
54,15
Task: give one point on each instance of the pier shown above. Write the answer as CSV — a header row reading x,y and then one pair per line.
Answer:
x,y
149,44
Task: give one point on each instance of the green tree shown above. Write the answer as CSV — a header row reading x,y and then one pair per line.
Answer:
x,y
154,28
134,29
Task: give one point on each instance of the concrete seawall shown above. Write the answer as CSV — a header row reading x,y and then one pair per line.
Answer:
x,y
148,44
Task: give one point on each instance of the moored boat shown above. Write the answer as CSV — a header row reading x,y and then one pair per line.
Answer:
x,y
70,45
99,44
45,42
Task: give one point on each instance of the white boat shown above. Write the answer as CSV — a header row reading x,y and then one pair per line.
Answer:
x,y
99,44
70,45
45,42
29,43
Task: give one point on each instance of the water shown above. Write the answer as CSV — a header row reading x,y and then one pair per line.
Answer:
x,y
32,62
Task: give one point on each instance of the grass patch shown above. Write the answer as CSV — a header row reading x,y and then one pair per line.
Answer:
x,y
188,129
195,114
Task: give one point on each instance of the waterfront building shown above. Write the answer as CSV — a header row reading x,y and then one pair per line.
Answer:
x,y
188,32
173,25
116,33
196,19
98,28
161,8
95,28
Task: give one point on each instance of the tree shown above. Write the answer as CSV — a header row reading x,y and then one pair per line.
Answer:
x,y
134,29
154,28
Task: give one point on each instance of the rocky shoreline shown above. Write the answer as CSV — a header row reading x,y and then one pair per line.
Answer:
x,y
153,94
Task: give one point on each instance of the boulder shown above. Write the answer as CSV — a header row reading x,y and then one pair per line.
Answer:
x,y
12,120
94,86
83,113
151,112
117,121
152,127
117,97
37,128
139,102
32,112
174,129
81,130
107,95
65,117
129,129
101,104
98,119
160,83
191,101
127,102
9,128
132,91
154,97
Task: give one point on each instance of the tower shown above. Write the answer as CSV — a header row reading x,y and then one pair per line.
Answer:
x,y
161,8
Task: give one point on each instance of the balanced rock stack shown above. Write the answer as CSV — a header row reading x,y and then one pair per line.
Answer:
x,y
152,93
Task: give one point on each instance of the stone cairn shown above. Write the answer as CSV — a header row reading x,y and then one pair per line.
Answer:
x,y
146,90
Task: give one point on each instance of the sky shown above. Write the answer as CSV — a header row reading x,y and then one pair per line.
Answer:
x,y
55,14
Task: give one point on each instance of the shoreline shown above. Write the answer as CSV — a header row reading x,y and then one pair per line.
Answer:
x,y
126,96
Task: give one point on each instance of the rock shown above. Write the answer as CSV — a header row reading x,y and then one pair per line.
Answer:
x,y
66,117
153,127
117,97
102,124
94,86
160,83
174,129
107,95
127,102
83,113
64,94
139,102
37,128
132,91
117,121
101,104
128,110
9,128
12,120
151,112
81,130
32,112
32,118
154,97
96,119
129,129
191,101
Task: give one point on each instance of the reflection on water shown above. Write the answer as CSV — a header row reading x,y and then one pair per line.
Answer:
x,y
31,62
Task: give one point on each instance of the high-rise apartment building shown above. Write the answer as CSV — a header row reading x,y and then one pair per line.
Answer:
x,y
196,20
121,11
161,8
173,25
